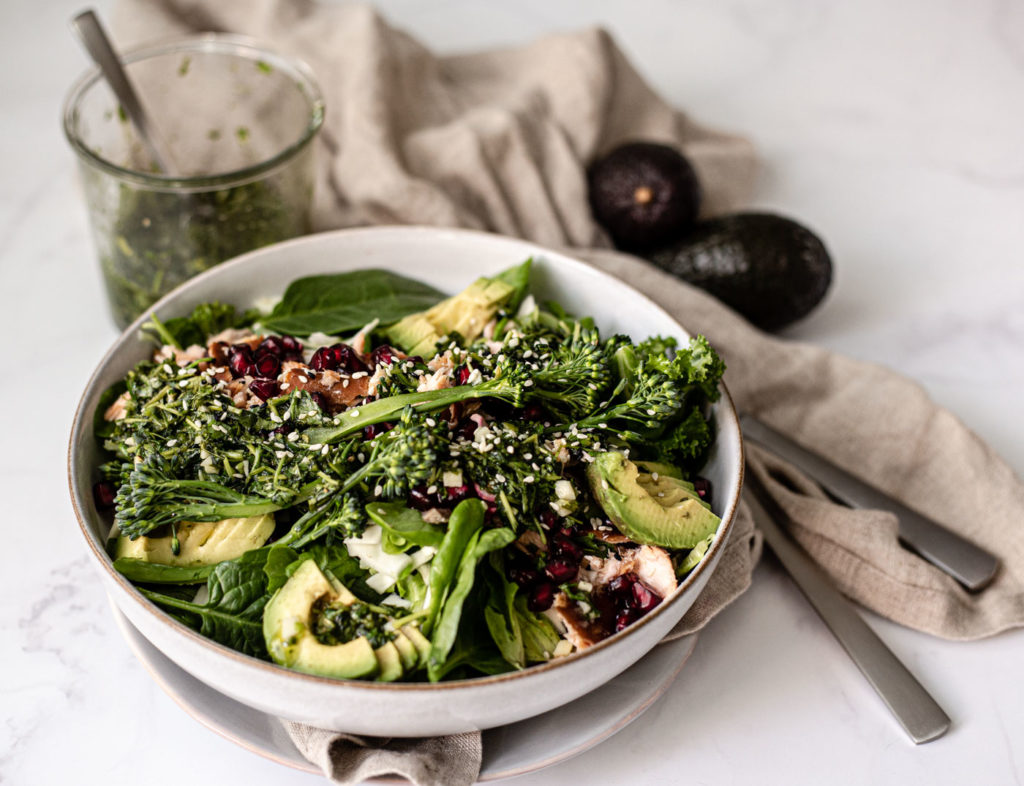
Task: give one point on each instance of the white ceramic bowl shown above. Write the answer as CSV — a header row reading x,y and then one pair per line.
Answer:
x,y
448,259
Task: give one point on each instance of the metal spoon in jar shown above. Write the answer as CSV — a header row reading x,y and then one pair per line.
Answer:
x,y
92,35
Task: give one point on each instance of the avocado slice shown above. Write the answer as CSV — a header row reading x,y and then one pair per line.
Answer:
x,y
420,642
390,662
407,651
201,542
662,512
288,628
465,313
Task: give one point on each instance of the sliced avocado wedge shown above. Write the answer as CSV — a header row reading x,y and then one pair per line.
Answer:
x,y
390,662
288,628
420,642
200,542
465,313
657,512
407,651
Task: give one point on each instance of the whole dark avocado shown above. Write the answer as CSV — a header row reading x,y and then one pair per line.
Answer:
x,y
644,194
770,269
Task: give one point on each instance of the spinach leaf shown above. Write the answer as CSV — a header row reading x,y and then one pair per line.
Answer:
x,y
336,560
539,636
279,558
474,652
400,521
233,615
466,520
341,302
444,634
500,614
518,277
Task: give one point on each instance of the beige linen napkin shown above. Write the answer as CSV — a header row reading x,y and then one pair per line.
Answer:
x,y
499,141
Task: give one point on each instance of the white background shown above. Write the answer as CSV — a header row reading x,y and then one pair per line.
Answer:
x,y
892,129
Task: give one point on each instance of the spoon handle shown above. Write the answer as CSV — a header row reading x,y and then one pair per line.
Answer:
x,y
97,44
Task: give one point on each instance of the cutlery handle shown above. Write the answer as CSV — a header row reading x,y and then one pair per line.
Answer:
x,y
96,42
913,706
970,565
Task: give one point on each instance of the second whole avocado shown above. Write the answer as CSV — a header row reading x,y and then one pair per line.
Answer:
x,y
770,269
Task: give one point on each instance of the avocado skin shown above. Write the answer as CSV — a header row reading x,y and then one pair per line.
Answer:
x,y
770,269
640,226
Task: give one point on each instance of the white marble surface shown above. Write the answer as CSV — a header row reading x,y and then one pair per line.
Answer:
x,y
892,129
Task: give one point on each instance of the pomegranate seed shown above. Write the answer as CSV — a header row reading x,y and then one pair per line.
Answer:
x,y
273,345
371,431
416,360
320,400
622,586
291,344
462,375
624,618
541,597
419,499
456,494
548,519
284,428
240,361
465,430
703,488
567,549
324,358
268,365
560,571
265,388
644,598
383,354
103,494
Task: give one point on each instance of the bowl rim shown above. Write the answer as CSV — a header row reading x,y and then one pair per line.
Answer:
x,y
730,509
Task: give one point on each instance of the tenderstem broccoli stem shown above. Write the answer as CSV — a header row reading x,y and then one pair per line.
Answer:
x,y
423,401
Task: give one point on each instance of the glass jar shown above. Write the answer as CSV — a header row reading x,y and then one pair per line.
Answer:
x,y
237,123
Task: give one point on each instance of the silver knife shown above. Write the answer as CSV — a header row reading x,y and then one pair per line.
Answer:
x,y
915,709
969,564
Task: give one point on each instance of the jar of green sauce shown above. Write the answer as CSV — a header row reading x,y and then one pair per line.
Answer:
x,y
237,123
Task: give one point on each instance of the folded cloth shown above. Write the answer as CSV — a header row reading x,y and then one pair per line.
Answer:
x,y
500,141
883,428
496,141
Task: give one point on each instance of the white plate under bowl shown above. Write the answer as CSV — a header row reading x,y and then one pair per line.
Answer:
x,y
450,260
508,751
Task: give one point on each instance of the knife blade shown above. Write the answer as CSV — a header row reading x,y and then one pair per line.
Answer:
x,y
969,564
919,714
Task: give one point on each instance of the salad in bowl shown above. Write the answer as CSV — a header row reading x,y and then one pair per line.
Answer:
x,y
368,480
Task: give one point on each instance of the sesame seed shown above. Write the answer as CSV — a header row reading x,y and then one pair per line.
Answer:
x,y
354,413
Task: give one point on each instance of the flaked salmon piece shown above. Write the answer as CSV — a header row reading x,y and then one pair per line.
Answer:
x,y
238,390
118,408
181,357
574,625
231,336
651,564
654,568
339,390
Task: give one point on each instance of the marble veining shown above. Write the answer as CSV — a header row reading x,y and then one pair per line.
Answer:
x,y
893,129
